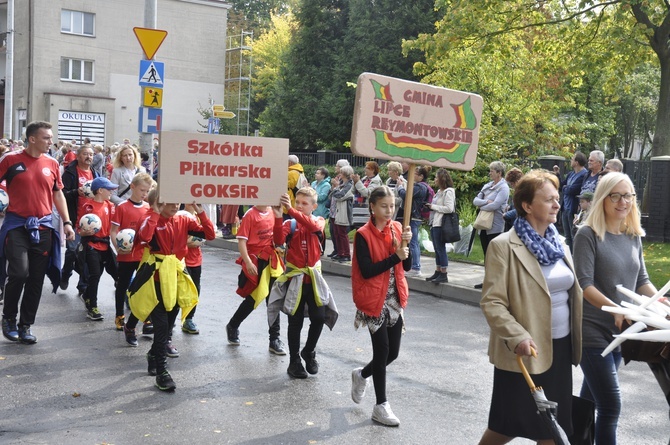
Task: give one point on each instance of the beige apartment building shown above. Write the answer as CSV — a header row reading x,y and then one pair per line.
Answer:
x,y
76,64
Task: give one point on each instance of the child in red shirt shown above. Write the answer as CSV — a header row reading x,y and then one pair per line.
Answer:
x,y
127,216
194,265
302,290
95,252
162,236
261,265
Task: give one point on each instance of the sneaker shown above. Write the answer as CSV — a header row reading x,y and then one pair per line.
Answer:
x,y
358,385
413,273
25,336
344,259
120,322
9,329
277,347
131,338
189,327
479,286
94,314
147,328
64,284
311,364
151,364
233,335
164,382
296,370
170,350
382,414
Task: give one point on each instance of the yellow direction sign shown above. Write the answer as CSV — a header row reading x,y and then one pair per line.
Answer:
x,y
150,40
224,114
217,108
152,97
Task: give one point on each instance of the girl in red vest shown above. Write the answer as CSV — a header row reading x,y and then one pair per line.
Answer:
x,y
380,295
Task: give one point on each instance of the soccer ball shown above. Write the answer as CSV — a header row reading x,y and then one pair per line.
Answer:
x,y
86,188
4,200
124,240
90,221
194,240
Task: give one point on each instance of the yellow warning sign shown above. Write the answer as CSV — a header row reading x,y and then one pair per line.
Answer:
x,y
152,97
150,40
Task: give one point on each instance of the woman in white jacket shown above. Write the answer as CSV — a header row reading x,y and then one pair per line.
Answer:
x,y
444,202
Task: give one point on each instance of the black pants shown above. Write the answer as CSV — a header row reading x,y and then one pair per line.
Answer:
x,y
163,322
385,349
485,239
317,317
247,307
71,264
195,272
125,270
97,261
26,267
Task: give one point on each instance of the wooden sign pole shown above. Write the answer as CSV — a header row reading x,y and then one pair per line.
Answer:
x,y
407,215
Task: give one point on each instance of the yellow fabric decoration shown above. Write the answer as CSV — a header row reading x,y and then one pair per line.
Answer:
x,y
263,289
177,287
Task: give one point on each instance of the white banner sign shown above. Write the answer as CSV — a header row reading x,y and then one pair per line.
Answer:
x,y
222,169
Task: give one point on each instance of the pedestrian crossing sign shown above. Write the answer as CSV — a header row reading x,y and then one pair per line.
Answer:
x,y
152,97
151,73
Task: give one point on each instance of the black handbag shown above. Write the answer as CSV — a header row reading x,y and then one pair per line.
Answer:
x,y
450,229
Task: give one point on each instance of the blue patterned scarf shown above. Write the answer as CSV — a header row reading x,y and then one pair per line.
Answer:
x,y
547,249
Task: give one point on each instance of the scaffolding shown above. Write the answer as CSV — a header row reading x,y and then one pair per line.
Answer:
x,y
237,95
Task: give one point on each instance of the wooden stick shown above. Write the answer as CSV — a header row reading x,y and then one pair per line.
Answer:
x,y
409,194
524,371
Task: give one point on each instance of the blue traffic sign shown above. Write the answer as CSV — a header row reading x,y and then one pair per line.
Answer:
x,y
150,120
151,73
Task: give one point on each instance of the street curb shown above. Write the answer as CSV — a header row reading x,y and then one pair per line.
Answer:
x,y
446,291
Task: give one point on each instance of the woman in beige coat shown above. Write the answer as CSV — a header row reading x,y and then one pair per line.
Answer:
x,y
532,303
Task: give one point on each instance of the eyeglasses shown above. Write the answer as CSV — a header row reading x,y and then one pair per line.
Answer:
x,y
616,197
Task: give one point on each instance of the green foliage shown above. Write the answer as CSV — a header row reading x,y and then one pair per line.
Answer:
x,y
467,212
657,260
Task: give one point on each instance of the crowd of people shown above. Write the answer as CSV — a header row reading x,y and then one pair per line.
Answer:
x,y
541,295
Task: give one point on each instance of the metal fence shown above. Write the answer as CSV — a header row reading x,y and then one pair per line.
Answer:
x,y
330,158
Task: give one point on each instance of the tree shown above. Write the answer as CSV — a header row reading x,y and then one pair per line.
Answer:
x,y
625,31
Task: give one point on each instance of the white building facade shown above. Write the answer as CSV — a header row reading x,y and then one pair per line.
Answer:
x,y
76,64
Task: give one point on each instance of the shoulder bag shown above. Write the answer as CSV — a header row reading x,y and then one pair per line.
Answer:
x,y
484,220
450,228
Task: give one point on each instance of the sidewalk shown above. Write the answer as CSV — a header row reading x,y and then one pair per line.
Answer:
x,y
462,276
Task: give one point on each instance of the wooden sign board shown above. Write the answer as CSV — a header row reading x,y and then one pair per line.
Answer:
x,y
415,123
221,169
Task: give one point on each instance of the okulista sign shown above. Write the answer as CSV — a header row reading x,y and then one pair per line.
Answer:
x,y
78,116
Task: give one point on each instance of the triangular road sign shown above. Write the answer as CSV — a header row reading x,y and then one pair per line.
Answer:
x,y
150,40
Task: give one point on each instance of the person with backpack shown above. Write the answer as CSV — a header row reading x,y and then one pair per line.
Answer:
x,y
423,194
296,179
301,291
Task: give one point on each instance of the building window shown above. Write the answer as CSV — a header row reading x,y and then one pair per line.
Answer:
x,y
76,70
76,22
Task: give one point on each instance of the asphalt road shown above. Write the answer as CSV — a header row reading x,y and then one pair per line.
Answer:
x,y
81,383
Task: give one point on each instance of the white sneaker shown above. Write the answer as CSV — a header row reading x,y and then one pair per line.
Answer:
x,y
413,273
358,385
383,414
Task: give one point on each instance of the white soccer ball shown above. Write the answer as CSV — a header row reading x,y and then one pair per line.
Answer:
x,y
124,240
86,188
4,200
89,222
194,240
